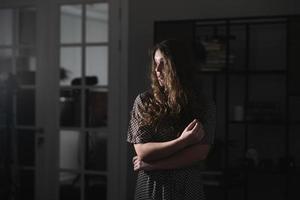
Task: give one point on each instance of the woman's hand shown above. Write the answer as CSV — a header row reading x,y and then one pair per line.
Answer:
x,y
138,164
193,133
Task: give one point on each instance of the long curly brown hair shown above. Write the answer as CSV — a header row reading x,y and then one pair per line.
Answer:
x,y
171,99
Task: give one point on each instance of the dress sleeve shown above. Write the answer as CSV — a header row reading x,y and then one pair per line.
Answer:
x,y
137,133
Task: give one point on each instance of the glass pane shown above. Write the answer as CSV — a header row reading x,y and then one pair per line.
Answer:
x,y
294,160
97,64
69,186
294,112
70,107
237,95
26,66
266,106
236,152
97,22
26,147
95,187
6,25
96,150
237,59
275,183
27,183
26,107
294,142
70,64
27,27
267,47
210,39
70,24
266,147
5,59
69,149
96,109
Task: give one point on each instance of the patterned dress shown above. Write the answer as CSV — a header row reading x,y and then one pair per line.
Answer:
x,y
174,184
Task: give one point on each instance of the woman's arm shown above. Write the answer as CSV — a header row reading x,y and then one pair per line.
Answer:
x,y
192,134
157,150
184,158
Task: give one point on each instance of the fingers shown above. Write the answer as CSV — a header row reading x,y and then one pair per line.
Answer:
x,y
136,163
196,127
134,158
198,131
191,125
136,166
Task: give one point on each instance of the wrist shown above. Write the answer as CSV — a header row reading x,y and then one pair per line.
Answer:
x,y
182,142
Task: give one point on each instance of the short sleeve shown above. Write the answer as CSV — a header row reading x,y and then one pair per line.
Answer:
x,y
137,133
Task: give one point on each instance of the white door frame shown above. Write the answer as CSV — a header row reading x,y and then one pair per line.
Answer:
x,y
118,66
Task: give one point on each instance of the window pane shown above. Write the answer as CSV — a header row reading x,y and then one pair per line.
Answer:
x,y
294,142
71,24
257,183
5,59
95,187
70,108
267,47
6,24
26,147
27,27
69,149
294,113
26,107
97,22
26,66
96,150
97,64
96,109
69,186
70,63
26,188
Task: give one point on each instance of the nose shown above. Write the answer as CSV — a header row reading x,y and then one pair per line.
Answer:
x,y
158,67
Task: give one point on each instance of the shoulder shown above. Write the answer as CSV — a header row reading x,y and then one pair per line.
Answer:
x,y
142,98
140,102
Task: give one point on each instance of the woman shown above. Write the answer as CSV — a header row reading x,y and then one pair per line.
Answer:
x,y
171,127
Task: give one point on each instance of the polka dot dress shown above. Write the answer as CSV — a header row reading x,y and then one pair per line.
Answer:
x,y
174,184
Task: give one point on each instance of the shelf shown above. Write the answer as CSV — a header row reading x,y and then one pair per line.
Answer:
x,y
294,95
245,72
266,171
274,170
258,122
295,122
213,173
279,123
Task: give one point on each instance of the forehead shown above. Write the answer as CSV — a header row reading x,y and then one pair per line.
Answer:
x,y
158,55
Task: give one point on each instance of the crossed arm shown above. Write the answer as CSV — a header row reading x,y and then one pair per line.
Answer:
x,y
180,152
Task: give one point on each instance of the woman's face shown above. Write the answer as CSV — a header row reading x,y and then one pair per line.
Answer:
x,y
160,63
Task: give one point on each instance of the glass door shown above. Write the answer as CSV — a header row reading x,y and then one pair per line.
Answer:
x,y
18,130
56,105
83,135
